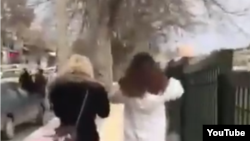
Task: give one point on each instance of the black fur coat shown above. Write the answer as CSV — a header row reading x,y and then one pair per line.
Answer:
x,y
67,93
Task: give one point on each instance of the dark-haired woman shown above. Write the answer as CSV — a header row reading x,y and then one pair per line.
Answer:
x,y
143,91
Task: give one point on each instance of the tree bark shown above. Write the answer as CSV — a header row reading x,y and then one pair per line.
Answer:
x,y
97,46
1,49
63,49
103,61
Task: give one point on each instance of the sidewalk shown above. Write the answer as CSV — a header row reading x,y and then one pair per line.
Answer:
x,y
111,129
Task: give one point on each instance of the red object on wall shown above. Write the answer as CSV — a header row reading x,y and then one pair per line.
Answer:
x,y
13,55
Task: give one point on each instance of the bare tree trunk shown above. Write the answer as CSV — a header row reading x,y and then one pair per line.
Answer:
x,y
97,46
1,50
63,48
103,60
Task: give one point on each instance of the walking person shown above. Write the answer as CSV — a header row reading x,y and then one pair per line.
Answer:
x,y
51,78
40,82
143,91
25,81
77,99
52,75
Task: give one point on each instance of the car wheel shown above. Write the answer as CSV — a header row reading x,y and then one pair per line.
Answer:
x,y
9,129
40,119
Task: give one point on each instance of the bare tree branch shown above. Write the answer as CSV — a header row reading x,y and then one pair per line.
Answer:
x,y
237,13
16,17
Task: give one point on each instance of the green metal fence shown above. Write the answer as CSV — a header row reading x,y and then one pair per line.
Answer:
x,y
214,94
234,98
202,102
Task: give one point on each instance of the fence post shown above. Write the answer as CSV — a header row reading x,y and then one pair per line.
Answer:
x,y
226,100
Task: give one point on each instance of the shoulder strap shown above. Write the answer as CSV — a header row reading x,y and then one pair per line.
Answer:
x,y
82,108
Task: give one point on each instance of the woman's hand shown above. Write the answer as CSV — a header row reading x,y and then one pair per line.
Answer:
x,y
62,131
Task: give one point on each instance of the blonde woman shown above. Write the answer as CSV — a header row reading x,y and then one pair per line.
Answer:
x,y
74,84
143,91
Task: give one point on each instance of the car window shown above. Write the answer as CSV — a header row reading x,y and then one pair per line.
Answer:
x,y
9,90
9,74
9,84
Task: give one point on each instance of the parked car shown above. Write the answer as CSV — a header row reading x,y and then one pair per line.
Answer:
x,y
18,106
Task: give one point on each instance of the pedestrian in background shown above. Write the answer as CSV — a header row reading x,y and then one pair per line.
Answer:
x,y
40,82
52,77
77,99
25,81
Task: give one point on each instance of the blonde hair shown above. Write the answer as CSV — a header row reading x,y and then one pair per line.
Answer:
x,y
78,64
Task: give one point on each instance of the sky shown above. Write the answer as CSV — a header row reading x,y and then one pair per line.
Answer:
x,y
222,30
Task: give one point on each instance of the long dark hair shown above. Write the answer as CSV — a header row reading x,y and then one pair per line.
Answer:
x,y
143,74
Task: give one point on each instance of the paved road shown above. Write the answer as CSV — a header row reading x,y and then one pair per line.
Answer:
x,y
24,130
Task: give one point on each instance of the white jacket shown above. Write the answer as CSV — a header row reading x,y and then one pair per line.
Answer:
x,y
145,118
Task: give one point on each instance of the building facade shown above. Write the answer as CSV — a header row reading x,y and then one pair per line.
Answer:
x,y
241,59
